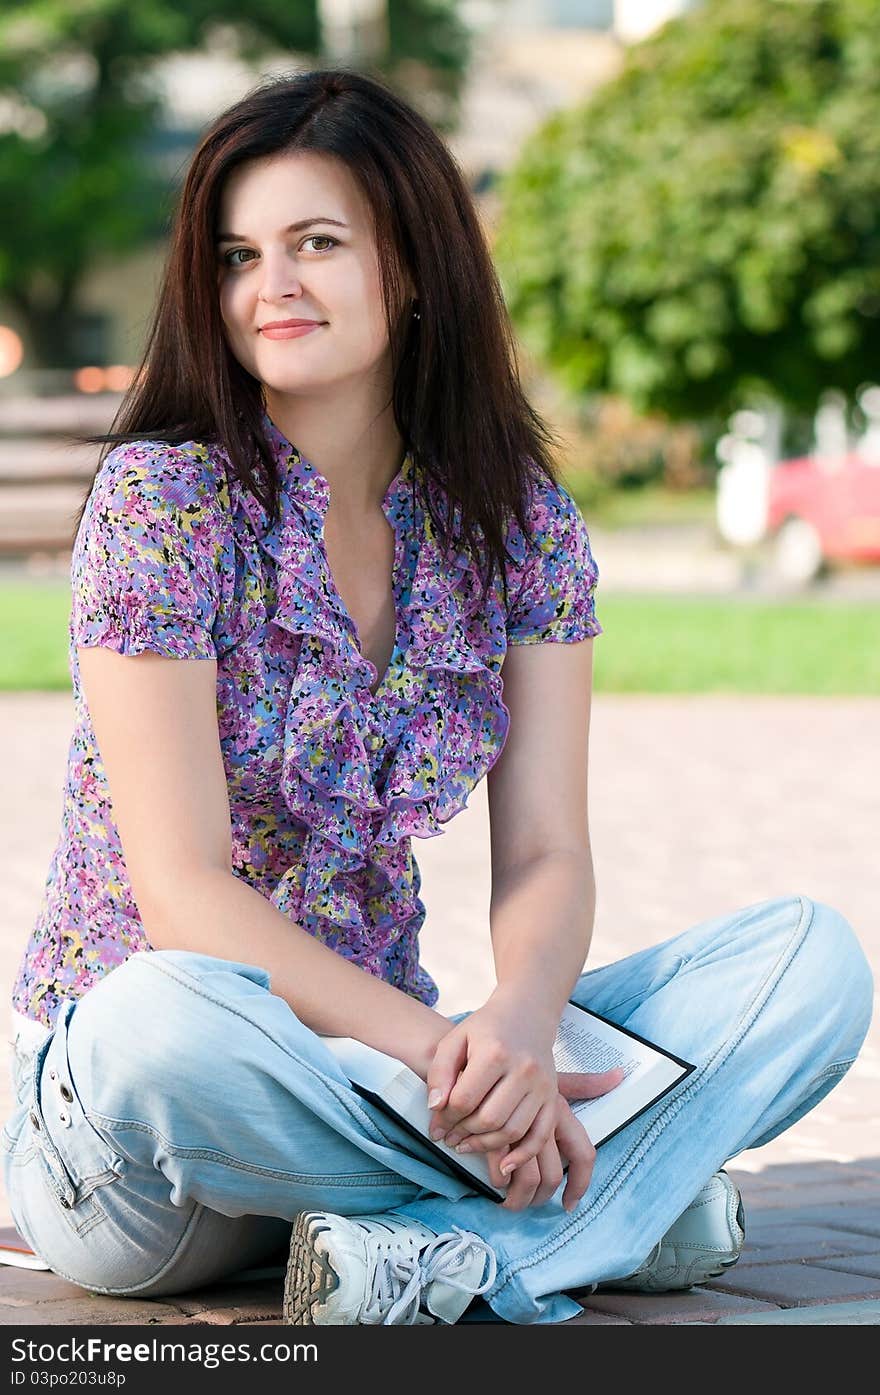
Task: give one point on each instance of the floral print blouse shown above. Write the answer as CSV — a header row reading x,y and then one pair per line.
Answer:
x,y
328,782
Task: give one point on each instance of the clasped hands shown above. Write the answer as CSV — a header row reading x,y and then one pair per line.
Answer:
x,y
493,1087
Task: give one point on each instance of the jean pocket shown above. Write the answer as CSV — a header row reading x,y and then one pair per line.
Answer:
x,y
76,1202
77,1157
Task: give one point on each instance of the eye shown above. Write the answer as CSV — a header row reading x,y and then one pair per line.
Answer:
x,y
234,253
246,251
322,237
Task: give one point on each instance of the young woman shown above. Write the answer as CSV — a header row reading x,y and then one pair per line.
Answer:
x,y
329,516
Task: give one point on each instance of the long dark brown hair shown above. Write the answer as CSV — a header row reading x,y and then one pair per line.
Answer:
x,y
458,401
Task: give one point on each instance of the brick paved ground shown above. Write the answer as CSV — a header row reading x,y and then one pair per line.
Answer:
x,y
698,805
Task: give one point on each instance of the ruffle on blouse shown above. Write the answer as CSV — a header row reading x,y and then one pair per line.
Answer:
x,y
447,704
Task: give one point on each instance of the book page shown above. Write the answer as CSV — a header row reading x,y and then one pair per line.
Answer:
x,y
407,1094
578,1047
401,1091
363,1063
587,1043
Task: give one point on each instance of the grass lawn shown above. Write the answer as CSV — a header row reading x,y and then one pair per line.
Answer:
x,y
642,508
650,644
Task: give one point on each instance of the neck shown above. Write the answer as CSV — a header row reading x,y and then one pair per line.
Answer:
x,y
359,457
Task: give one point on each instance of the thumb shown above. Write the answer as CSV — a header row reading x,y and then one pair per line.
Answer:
x,y
587,1085
446,1065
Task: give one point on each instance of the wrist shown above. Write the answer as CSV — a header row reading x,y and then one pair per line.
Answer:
x,y
521,999
418,1051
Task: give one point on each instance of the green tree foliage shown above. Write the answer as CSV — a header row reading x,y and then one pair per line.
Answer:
x,y
708,224
81,123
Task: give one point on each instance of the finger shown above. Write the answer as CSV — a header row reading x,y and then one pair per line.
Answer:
x,y
507,1180
588,1085
480,1074
492,1162
537,1136
575,1148
510,1128
515,1129
523,1184
550,1165
446,1063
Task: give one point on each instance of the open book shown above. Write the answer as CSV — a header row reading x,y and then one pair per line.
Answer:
x,y
585,1041
14,1249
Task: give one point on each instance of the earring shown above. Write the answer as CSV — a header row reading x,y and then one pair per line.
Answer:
x,y
416,314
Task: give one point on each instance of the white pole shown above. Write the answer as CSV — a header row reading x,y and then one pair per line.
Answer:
x,y
353,30
635,19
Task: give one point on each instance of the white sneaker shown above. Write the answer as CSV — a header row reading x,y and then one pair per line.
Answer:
x,y
706,1239
369,1270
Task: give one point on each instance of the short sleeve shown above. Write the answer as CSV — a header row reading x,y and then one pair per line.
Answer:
x,y
552,600
145,570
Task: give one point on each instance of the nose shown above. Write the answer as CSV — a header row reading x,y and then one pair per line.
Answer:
x,y
278,278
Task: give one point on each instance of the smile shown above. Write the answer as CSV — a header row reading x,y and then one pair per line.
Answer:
x,y
289,331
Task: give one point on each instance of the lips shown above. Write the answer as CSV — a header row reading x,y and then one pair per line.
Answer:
x,y
288,324
290,329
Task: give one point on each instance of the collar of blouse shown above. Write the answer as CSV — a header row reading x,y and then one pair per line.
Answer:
x,y
311,488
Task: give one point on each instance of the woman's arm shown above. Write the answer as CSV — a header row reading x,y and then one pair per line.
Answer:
x,y
214,912
541,917
155,722
543,887
494,1072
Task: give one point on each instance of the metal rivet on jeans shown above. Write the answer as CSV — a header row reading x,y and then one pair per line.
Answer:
x,y
66,1094
64,1202
34,1120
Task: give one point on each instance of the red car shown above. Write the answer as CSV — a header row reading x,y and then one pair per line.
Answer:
x,y
821,512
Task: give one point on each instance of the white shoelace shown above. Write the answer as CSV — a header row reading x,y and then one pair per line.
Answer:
x,y
399,1279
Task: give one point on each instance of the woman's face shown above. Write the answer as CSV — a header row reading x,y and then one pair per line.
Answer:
x,y
327,271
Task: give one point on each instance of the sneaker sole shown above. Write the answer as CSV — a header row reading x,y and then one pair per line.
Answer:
x,y
310,1278
741,1222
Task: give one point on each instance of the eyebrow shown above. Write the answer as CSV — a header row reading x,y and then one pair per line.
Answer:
x,y
292,227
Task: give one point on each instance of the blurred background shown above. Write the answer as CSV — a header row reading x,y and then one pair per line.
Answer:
x,y
683,202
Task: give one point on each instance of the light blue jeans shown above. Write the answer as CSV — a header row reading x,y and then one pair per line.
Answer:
x,y
180,1114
